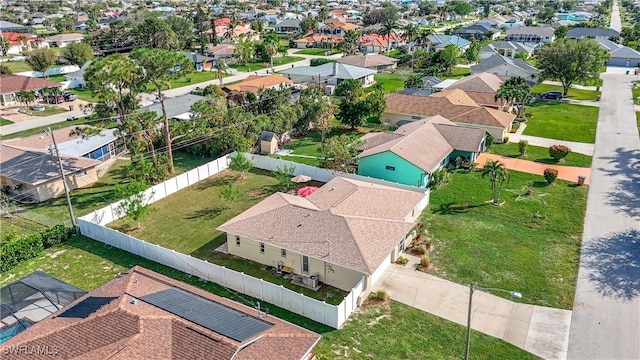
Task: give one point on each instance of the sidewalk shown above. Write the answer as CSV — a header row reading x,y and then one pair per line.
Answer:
x,y
577,147
569,173
574,86
539,330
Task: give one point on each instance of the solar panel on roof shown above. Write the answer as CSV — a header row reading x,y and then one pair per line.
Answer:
x,y
86,307
216,317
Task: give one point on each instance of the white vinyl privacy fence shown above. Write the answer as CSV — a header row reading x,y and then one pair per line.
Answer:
x,y
93,225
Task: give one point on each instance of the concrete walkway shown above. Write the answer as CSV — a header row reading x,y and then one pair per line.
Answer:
x,y
577,147
574,86
539,330
569,173
606,313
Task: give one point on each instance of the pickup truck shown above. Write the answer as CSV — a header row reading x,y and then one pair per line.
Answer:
x,y
69,96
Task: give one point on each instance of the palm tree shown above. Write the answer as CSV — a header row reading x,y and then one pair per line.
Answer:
x,y
520,90
387,29
498,175
272,50
504,94
5,45
222,69
410,34
423,37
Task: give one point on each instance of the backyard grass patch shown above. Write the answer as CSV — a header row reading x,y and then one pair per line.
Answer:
x,y
525,245
5,122
18,66
562,121
88,264
301,160
539,154
392,82
457,73
575,94
310,144
187,220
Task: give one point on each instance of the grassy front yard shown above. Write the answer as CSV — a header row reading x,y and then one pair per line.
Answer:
x,y
575,94
539,154
259,65
525,245
5,122
88,264
317,52
562,121
86,95
195,78
49,110
635,92
17,66
392,82
187,222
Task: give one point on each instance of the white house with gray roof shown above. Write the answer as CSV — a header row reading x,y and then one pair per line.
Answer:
x,y
177,108
329,74
503,66
345,231
505,48
531,34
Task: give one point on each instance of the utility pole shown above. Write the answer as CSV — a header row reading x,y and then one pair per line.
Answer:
x,y
64,180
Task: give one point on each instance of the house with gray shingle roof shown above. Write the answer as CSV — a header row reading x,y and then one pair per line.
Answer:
x,y
504,66
505,48
329,74
595,33
345,231
416,149
531,34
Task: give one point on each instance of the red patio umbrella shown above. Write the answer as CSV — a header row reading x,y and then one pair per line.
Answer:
x,y
307,190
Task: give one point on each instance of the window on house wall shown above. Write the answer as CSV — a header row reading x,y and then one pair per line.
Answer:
x,y
237,240
390,168
261,248
283,253
305,264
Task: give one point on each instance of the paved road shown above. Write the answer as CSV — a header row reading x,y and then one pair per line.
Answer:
x,y
616,21
606,313
539,330
39,121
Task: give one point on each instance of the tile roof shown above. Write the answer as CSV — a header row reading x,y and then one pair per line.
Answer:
x,y
65,37
378,40
319,38
128,329
10,83
255,83
367,61
35,166
222,49
454,105
346,222
14,37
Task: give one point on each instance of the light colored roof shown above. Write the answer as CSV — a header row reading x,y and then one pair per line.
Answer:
x,y
454,105
346,222
497,60
625,52
65,37
175,107
481,82
80,146
543,31
327,70
223,49
35,166
256,83
367,61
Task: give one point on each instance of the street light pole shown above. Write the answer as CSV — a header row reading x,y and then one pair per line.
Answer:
x,y
64,180
472,288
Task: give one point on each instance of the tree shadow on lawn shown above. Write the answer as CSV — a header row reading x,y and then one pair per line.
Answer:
x,y
219,179
453,208
208,213
626,196
613,262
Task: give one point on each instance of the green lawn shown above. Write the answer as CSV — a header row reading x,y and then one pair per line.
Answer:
x,y
88,264
317,52
49,110
5,122
562,121
194,78
392,82
86,95
635,92
310,144
57,78
539,154
638,119
457,73
575,94
17,66
187,222
524,245
60,125
301,160
254,66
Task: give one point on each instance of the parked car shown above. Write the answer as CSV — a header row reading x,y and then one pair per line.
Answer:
x,y
73,118
554,95
69,96
55,99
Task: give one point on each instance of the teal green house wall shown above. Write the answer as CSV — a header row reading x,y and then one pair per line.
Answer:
x,y
404,172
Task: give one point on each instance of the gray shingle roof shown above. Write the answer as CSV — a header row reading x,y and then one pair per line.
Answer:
x,y
327,70
583,32
625,52
497,60
174,106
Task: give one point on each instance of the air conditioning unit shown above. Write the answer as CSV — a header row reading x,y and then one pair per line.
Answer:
x,y
329,89
310,281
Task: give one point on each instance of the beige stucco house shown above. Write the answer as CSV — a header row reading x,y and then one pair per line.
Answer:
x,y
34,175
346,230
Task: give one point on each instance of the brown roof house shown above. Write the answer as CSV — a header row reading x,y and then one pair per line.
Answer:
x,y
346,230
255,83
11,85
481,88
34,175
454,105
373,61
415,150
144,315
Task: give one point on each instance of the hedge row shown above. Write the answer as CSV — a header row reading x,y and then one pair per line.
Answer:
x,y
30,246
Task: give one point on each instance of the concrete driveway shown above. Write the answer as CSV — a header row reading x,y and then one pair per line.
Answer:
x,y
539,330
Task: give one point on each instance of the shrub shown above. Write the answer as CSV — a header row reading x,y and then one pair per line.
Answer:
x,y
30,246
382,295
550,175
489,140
505,140
522,146
402,260
558,152
320,61
425,261
421,249
439,178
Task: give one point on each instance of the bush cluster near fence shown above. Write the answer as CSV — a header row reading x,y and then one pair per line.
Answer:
x,y
30,246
